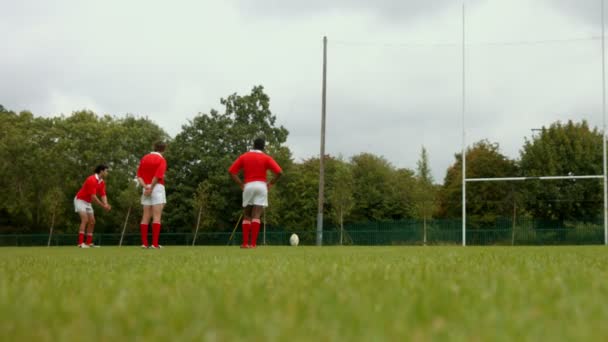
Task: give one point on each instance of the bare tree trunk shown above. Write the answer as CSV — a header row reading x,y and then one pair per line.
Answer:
x,y
341,228
513,223
124,227
38,207
424,225
51,232
198,224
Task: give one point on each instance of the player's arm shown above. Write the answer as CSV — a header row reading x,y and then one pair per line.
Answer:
x,y
276,170
237,180
147,187
140,175
234,172
99,202
160,173
141,182
104,199
150,186
101,191
275,178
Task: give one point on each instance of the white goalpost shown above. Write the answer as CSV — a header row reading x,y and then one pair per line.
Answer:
x,y
470,110
466,180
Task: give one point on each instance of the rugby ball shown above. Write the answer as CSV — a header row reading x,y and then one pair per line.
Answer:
x,y
294,240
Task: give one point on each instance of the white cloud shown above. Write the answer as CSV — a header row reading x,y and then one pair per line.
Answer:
x,y
66,104
169,61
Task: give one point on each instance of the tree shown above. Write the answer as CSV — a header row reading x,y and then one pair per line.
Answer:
x,y
60,152
401,194
277,195
19,149
52,203
563,149
340,193
129,198
486,201
298,193
85,139
206,147
424,192
202,202
381,192
423,170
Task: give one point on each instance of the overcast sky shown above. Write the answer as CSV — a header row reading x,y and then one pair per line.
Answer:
x,y
394,69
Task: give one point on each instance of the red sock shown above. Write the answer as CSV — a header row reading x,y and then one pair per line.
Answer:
x,y
80,238
89,238
155,233
255,229
143,228
246,228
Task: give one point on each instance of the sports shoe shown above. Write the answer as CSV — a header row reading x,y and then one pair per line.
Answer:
x,y
244,246
144,247
156,247
93,246
83,245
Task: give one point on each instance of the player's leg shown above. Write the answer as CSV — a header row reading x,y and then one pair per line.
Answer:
x,y
157,199
247,212
90,228
260,200
157,212
256,213
81,208
84,220
246,224
143,225
248,193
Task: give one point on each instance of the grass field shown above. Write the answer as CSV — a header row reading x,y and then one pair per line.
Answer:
x,y
304,293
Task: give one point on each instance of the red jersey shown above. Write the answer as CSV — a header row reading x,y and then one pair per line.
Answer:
x,y
152,165
255,163
93,185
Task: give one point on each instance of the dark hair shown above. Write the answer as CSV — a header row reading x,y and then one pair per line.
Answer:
x,y
159,146
101,167
259,143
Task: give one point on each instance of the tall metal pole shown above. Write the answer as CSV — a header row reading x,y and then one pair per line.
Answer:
x,y
322,153
604,131
464,159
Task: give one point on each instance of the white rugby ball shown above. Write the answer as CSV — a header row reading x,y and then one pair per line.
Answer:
x,y
294,240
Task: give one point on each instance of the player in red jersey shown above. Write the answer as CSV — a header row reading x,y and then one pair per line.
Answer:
x,y
151,176
93,187
254,164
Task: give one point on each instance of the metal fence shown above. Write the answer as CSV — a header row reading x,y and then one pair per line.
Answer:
x,y
404,232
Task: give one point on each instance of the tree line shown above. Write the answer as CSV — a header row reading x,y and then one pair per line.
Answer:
x,y
46,159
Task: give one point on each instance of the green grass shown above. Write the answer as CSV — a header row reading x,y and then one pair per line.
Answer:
x,y
304,294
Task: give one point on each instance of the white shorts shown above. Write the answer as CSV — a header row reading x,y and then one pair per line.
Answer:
x,y
156,197
255,193
81,206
